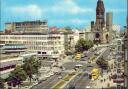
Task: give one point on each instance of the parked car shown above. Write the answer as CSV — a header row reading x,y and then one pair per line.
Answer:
x,y
89,66
60,77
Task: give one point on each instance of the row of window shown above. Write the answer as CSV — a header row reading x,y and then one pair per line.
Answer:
x,y
45,48
31,38
52,43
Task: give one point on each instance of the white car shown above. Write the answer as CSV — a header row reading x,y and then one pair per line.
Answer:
x,y
88,87
52,74
60,77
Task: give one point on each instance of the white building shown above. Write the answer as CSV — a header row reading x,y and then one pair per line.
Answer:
x,y
116,29
8,62
46,45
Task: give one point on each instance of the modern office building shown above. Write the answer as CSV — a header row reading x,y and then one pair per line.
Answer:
x,y
46,45
109,20
27,27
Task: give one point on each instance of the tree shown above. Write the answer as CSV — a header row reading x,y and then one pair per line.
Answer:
x,y
1,83
102,63
90,44
68,28
83,45
31,66
17,76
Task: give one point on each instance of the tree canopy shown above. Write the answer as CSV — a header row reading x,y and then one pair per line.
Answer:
x,y
31,66
17,76
1,83
83,45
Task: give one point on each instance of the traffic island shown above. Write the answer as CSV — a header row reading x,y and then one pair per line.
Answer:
x,y
65,80
59,84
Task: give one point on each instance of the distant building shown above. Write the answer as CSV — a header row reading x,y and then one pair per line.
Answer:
x,y
101,30
116,29
109,20
27,26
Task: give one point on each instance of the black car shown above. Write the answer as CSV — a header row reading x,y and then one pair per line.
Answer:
x,y
89,66
71,87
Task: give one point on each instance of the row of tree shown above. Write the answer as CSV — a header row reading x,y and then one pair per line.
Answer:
x,y
21,73
83,45
102,63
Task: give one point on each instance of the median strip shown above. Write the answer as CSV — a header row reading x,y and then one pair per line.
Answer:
x,y
62,82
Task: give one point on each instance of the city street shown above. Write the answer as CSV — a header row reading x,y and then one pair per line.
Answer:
x,y
81,81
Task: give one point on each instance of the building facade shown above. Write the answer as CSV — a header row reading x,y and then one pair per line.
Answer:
x,y
46,45
126,55
101,29
27,26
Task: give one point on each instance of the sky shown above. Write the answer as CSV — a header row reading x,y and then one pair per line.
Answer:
x,y
60,13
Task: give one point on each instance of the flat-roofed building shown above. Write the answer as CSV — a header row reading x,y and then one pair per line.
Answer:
x,y
8,62
27,27
12,48
46,45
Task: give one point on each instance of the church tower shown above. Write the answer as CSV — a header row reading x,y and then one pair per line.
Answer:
x,y
100,15
100,22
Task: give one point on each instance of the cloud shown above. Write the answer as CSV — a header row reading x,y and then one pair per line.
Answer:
x,y
71,21
70,7
117,10
33,11
79,21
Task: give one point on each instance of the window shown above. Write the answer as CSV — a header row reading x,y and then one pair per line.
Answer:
x,y
43,52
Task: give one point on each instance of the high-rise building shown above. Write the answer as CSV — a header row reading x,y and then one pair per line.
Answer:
x,y
109,21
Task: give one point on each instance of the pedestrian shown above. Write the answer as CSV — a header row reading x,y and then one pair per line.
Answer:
x,y
108,84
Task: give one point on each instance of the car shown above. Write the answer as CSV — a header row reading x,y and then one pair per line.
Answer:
x,y
83,59
88,87
58,73
71,87
89,62
52,74
85,56
44,79
89,66
60,77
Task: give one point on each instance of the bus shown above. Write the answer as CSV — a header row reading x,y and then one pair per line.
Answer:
x,y
95,73
78,56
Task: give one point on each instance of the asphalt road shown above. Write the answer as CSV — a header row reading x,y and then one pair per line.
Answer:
x,y
47,84
71,65
82,81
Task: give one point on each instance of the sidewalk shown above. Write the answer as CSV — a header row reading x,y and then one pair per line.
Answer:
x,y
104,81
